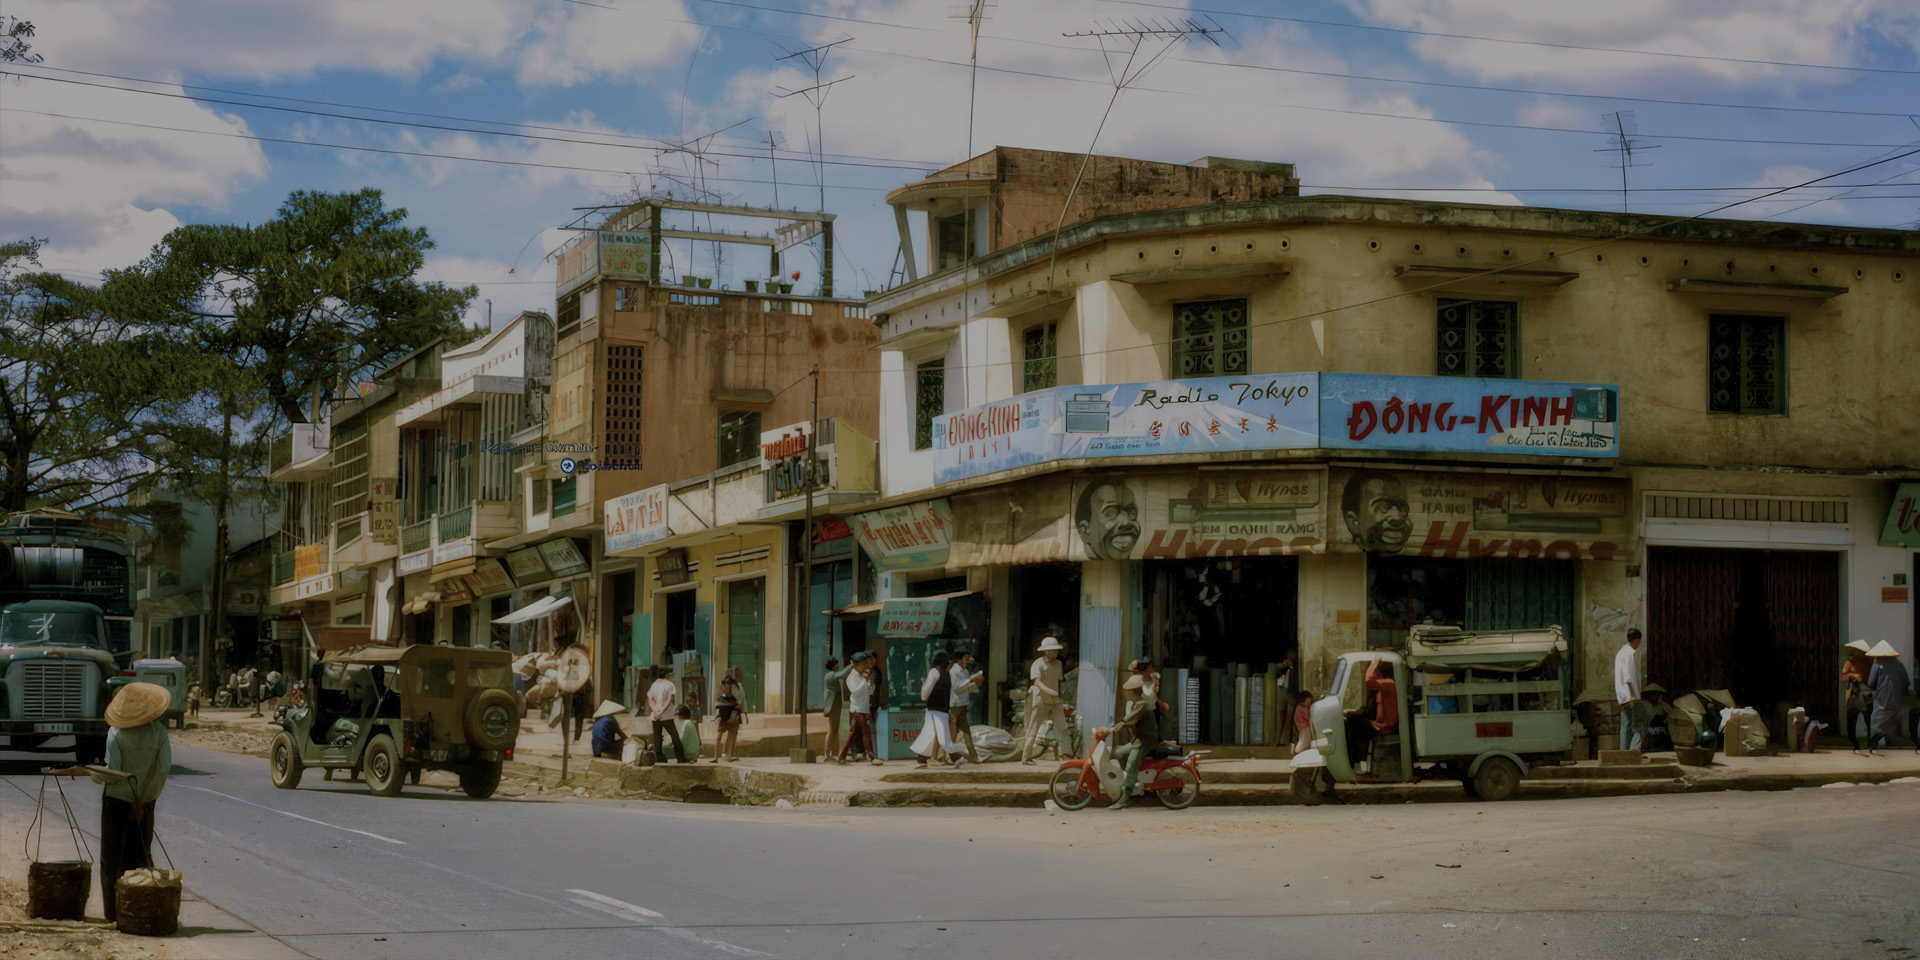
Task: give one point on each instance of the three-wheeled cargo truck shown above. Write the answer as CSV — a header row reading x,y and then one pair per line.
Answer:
x,y
1478,707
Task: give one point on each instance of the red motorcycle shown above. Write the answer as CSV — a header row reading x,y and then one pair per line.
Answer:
x,y
1171,774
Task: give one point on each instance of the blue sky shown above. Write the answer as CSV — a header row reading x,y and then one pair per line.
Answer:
x,y
1484,101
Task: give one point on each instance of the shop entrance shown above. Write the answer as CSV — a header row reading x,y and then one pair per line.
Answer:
x,y
831,589
1763,624
1045,601
620,600
747,638
680,626
1223,621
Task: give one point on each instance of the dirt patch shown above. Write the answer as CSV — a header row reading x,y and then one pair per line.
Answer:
x,y
249,739
21,938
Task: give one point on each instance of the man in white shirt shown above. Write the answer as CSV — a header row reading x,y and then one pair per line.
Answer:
x,y
1634,716
1043,702
960,702
661,698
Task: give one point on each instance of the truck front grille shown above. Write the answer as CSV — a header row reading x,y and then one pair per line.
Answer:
x,y
54,690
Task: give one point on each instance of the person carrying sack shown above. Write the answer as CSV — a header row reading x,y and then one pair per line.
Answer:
x,y
138,758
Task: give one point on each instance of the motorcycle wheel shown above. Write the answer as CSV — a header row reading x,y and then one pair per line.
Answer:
x,y
1182,798
1066,791
1311,787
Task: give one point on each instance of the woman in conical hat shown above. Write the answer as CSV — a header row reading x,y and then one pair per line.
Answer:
x,y
1889,683
138,758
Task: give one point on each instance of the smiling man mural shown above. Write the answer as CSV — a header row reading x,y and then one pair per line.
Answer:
x,y
1108,519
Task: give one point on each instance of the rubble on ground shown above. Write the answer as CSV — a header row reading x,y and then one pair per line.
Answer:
x,y
22,937
249,739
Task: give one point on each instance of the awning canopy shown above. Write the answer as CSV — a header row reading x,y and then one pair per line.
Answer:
x,y
539,608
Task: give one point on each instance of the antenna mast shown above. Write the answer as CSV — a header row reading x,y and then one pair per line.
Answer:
x,y
1623,125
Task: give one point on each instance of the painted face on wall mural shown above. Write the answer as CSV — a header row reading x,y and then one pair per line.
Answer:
x,y
1109,522
1377,513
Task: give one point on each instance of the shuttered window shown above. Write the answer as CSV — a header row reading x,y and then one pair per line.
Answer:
x,y
623,405
1478,338
1746,364
1210,338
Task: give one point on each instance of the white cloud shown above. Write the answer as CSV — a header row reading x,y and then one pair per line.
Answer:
x,y
1790,31
575,45
97,191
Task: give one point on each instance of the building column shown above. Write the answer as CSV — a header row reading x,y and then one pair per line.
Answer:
x,y
1105,594
1333,612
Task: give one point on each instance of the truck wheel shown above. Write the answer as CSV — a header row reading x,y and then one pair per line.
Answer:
x,y
1312,786
481,781
385,772
492,720
285,765
1497,779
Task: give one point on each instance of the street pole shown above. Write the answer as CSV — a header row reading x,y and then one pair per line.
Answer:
x,y
804,754
566,719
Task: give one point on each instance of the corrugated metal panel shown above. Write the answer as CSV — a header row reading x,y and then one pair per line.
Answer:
x,y
1756,509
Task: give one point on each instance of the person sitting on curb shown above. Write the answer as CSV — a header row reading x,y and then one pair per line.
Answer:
x,y
609,729
689,732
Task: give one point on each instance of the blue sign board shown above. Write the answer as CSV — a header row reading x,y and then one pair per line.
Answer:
x,y
1465,415
1288,411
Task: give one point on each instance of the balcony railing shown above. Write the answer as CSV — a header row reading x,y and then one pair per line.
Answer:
x,y
283,567
347,531
416,537
457,525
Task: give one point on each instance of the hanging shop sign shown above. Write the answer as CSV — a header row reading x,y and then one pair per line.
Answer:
x,y
636,519
307,561
488,576
1178,516
383,510
527,566
915,535
913,618
783,454
1478,515
672,567
564,557
1903,518
1466,415
625,254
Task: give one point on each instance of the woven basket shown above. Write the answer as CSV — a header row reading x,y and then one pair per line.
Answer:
x,y
148,902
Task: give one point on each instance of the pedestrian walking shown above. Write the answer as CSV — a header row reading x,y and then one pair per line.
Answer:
x,y
1889,683
1634,718
193,700
860,710
1854,675
729,715
937,691
662,697
833,699
139,756
1043,701
960,702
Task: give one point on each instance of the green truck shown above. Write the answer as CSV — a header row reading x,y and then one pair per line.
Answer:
x,y
57,674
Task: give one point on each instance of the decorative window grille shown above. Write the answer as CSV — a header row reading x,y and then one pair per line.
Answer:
x,y
350,470
499,421
1478,338
1746,364
623,426
929,400
739,436
1210,338
1041,368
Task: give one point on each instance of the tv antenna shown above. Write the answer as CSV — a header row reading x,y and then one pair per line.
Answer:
x,y
1121,45
815,59
1621,142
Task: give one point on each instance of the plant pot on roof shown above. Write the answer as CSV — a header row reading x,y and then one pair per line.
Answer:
x,y
706,282
753,286
786,288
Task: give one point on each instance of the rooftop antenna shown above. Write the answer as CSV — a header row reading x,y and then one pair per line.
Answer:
x,y
815,59
1121,45
1624,126
974,13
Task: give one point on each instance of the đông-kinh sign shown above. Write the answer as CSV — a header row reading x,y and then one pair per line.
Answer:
x,y
1287,411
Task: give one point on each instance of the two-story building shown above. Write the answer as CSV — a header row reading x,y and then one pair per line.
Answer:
x,y
1230,428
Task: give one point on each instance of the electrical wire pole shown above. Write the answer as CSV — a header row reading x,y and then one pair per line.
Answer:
x,y
805,752
1622,142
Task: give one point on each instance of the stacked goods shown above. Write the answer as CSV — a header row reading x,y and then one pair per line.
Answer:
x,y
148,902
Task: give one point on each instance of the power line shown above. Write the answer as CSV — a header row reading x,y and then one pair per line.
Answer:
x,y
1530,43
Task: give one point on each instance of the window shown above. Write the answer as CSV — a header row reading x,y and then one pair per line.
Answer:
x,y
1041,368
1478,338
499,421
623,404
1210,338
952,242
564,491
1746,364
929,400
569,311
540,488
739,436
350,471
625,298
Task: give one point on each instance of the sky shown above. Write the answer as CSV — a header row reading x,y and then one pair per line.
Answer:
x,y
504,126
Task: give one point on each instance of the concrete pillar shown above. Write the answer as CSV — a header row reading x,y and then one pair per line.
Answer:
x,y
1333,611
1105,596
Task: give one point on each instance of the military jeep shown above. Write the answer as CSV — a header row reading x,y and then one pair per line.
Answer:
x,y
390,713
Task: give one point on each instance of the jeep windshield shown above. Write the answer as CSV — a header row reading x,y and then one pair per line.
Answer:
x,y
35,628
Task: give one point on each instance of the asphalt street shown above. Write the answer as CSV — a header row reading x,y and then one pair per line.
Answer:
x,y
332,871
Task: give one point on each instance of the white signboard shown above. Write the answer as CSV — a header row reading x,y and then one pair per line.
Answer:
x,y
637,519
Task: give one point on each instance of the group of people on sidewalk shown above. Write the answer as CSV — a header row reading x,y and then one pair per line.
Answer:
x,y
672,721
1878,690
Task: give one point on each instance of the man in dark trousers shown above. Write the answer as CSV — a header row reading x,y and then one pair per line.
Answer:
x,y
662,697
138,758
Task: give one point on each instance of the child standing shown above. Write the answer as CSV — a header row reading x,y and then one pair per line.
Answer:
x,y
731,715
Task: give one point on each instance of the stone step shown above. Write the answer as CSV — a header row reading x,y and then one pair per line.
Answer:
x,y
1615,771
1042,774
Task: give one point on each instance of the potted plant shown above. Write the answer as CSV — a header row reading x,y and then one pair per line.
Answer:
x,y
689,281
706,282
786,288
753,286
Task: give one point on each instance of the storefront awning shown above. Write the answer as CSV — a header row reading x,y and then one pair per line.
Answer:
x,y
457,568
853,611
539,608
420,602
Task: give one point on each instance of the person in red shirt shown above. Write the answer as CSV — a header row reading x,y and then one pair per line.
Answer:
x,y
1303,722
1379,717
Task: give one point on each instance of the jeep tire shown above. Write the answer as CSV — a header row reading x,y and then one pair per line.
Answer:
x,y
481,779
284,761
386,773
492,720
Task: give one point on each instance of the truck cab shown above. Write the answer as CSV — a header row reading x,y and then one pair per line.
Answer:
x,y
1478,707
56,676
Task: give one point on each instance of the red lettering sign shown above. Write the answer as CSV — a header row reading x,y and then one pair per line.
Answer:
x,y
1493,731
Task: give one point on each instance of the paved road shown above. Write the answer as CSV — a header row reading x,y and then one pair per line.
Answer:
x,y
334,872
